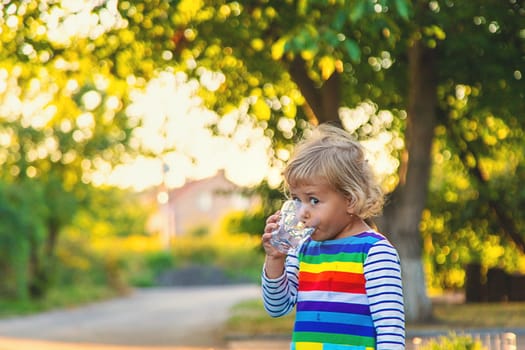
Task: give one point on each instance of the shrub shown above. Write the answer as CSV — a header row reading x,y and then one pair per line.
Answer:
x,y
453,342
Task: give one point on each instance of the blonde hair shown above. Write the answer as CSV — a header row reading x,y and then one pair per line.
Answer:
x,y
332,155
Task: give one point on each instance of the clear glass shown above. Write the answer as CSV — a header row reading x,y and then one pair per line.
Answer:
x,y
292,231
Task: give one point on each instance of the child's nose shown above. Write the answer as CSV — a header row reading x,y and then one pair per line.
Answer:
x,y
302,212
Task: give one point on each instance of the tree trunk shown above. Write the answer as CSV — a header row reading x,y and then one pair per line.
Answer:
x,y
402,215
42,264
322,103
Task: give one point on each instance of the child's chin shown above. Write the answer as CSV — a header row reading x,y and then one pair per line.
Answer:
x,y
316,237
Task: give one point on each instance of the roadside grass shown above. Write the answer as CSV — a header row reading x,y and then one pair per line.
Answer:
x,y
64,297
250,319
481,315
114,266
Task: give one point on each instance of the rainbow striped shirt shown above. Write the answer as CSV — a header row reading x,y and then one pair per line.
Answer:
x,y
347,292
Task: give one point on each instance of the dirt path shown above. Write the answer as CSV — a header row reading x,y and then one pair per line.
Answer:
x,y
156,318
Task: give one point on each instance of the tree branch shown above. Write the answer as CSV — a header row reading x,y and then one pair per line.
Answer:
x,y
330,99
300,76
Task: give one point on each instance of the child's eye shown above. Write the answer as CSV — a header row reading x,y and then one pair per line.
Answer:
x,y
314,201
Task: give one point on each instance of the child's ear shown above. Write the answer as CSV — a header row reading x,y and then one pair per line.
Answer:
x,y
350,206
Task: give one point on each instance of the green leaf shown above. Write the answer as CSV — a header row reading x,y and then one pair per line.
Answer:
x,y
302,7
331,37
357,12
353,50
339,20
304,40
403,8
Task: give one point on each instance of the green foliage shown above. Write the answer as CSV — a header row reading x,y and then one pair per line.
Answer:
x,y
64,98
23,215
238,254
244,222
475,175
142,270
453,342
199,231
480,141
110,211
160,261
77,261
62,118
262,42
86,254
343,53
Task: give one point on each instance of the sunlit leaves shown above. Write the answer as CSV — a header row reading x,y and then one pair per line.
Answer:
x,y
331,33
480,55
74,120
432,35
488,147
61,118
319,32
189,9
257,44
327,66
278,48
261,110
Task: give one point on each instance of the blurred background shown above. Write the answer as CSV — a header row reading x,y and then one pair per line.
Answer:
x,y
142,142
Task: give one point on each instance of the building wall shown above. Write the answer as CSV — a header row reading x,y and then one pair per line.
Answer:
x,y
198,204
205,202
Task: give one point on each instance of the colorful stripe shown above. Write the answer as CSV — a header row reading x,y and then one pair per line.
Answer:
x,y
347,282
347,266
347,294
338,317
327,338
317,346
359,309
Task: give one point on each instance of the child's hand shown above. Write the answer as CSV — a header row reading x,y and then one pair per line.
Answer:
x,y
274,262
272,224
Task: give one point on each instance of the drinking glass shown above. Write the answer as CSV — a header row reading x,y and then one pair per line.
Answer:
x,y
292,231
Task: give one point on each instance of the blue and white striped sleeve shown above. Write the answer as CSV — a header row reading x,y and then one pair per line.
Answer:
x,y
280,294
382,270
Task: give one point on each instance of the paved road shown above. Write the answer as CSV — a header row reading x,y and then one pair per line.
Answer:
x,y
149,317
187,318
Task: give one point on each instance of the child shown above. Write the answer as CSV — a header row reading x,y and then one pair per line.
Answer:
x,y
345,280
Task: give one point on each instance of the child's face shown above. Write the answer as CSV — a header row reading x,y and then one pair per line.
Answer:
x,y
326,209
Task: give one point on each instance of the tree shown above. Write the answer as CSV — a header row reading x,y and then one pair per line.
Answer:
x,y
426,61
62,114
327,51
341,53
